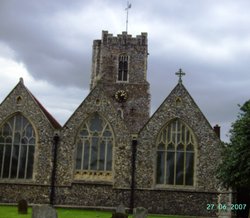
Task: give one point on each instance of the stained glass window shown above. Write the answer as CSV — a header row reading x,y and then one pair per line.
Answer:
x,y
175,155
17,148
94,145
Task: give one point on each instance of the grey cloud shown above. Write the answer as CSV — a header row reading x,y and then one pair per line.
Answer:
x,y
34,38
210,40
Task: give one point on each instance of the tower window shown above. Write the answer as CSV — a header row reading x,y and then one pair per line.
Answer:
x,y
123,68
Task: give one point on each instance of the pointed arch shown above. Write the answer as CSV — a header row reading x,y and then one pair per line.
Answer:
x,y
17,148
175,156
94,148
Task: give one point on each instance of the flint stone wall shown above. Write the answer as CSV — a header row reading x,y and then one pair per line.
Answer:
x,y
100,194
29,108
207,151
34,194
98,102
156,201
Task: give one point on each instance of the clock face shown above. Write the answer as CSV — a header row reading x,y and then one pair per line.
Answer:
x,y
121,96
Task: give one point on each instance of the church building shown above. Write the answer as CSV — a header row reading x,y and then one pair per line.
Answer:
x,y
111,151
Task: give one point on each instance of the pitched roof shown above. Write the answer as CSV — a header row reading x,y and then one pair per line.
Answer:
x,y
50,118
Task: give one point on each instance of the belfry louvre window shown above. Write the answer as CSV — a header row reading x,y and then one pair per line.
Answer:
x,y
94,145
17,147
175,155
123,68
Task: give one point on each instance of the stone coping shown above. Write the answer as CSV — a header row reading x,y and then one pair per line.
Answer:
x,y
89,182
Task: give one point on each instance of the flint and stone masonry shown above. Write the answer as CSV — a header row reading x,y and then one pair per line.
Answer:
x,y
119,96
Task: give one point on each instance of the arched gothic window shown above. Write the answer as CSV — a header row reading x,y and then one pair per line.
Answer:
x,y
123,68
17,148
94,145
175,155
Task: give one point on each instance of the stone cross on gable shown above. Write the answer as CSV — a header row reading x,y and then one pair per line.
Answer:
x,y
180,73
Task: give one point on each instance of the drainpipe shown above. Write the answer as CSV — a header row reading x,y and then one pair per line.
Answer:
x,y
54,166
133,169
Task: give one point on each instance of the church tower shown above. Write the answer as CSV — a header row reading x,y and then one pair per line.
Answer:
x,y
119,65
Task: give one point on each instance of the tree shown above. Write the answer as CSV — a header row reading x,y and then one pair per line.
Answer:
x,y
234,171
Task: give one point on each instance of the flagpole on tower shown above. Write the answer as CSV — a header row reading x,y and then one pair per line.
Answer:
x,y
127,8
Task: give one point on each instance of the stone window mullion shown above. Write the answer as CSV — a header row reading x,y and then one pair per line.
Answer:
x,y
123,68
179,155
83,149
3,158
90,152
26,161
175,154
175,151
20,145
165,167
99,150
12,146
184,165
106,155
19,158
14,140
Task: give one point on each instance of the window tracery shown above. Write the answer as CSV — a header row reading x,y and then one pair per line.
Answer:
x,y
94,148
175,155
17,148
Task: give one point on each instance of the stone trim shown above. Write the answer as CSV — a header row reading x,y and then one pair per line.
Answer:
x,y
93,175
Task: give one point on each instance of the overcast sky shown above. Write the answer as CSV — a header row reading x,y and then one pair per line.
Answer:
x,y
49,44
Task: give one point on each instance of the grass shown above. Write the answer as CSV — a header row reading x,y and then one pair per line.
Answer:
x,y
11,212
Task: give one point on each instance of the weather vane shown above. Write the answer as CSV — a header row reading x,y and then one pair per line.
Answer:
x,y
127,8
180,73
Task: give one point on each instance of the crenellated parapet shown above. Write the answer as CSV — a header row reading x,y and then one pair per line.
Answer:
x,y
122,39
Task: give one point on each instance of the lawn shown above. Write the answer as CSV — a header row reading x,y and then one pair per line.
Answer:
x,y
11,212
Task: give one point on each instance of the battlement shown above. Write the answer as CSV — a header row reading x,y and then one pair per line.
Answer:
x,y
122,39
